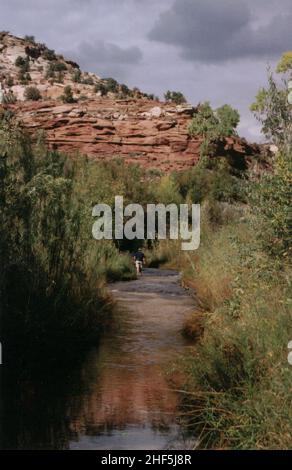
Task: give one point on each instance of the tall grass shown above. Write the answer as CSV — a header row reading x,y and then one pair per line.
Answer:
x,y
238,380
237,393
53,272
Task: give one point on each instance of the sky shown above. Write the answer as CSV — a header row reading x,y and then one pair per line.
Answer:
x,y
211,50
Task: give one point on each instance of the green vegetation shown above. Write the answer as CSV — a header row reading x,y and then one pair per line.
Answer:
x,y
213,125
238,380
49,54
56,70
9,81
23,74
9,98
285,64
33,52
174,97
101,88
48,254
32,93
88,81
30,39
111,84
76,77
67,96
24,77
21,62
237,390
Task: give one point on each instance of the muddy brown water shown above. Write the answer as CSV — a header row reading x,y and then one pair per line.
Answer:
x,y
121,397
132,405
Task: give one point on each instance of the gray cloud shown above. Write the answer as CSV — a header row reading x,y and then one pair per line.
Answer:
x,y
100,55
218,31
106,59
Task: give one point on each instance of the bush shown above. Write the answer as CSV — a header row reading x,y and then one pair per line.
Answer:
x,y
76,77
9,98
111,85
24,77
9,81
32,93
30,39
49,54
124,90
33,52
212,125
88,81
217,184
101,88
271,193
67,97
22,62
59,66
55,67
228,120
175,97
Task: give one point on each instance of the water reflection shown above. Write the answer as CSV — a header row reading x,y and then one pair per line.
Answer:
x,y
118,396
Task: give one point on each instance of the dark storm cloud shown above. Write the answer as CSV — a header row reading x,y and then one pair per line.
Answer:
x,y
208,30
105,58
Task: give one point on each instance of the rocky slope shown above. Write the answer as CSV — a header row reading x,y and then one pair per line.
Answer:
x,y
105,119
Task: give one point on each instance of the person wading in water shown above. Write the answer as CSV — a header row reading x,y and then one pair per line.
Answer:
x,y
139,259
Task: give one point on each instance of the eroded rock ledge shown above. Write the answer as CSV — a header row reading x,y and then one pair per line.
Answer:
x,y
150,133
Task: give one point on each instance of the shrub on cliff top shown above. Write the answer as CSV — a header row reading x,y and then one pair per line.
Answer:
x,y
29,39
49,54
175,97
101,88
111,85
213,124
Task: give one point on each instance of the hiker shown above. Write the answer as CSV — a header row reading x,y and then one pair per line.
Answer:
x,y
139,259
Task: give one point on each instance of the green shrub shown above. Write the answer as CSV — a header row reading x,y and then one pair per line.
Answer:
x,y
124,90
76,77
9,81
88,81
217,184
214,124
22,62
228,119
32,93
59,66
175,97
111,85
55,67
101,88
68,97
9,98
272,192
49,54
30,39
33,52
24,77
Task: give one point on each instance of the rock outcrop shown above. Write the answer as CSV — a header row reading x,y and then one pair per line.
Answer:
x,y
133,127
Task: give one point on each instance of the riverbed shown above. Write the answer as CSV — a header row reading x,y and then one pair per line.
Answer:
x,y
120,397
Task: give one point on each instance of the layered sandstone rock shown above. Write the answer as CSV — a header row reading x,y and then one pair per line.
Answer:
x,y
137,129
